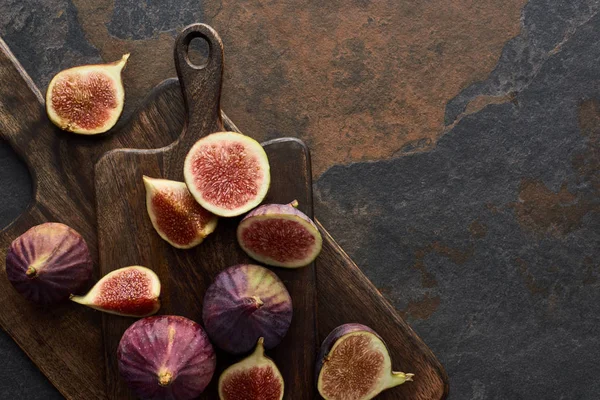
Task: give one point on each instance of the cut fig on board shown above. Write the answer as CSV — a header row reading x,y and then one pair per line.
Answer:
x,y
166,357
280,235
227,173
354,364
256,377
244,303
48,263
131,291
87,99
176,215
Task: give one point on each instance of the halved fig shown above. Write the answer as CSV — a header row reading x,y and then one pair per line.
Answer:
x,y
244,303
48,263
227,173
166,357
354,364
280,235
87,99
175,215
131,291
256,377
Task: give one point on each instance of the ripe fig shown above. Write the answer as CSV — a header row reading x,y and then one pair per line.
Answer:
x,y
48,263
130,291
280,235
166,357
227,173
176,215
87,99
244,303
256,377
354,364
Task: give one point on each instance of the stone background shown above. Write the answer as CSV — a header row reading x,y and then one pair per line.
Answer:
x,y
456,149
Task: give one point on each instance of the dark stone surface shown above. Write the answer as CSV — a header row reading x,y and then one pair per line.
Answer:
x,y
486,239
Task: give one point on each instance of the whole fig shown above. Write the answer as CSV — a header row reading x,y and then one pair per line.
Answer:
x,y
48,263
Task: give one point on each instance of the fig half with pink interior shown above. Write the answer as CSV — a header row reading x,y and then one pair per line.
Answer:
x,y
227,173
131,291
256,377
354,364
48,263
87,99
166,357
280,235
244,303
175,215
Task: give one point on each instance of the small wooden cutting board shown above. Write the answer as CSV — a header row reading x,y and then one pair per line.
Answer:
x,y
126,236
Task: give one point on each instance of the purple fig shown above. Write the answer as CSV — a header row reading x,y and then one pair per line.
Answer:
x,y
244,303
175,215
131,291
354,364
48,263
256,377
280,235
227,173
166,357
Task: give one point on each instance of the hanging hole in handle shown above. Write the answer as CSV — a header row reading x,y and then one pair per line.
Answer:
x,y
198,52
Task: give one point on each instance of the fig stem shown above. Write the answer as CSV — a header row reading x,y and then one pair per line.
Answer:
x,y
165,378
31,272
258,301
259,352
398,378
294,204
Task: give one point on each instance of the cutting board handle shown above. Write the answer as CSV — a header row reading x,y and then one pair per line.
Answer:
x,y
200,84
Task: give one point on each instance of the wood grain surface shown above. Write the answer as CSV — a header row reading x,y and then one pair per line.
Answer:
x,y
126,236
66,343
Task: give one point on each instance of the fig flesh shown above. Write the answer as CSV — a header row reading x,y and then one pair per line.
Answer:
x,y
244,303
354,364
166,357
48,263
280,235
87,99
131,292
256,377
227,173
176,215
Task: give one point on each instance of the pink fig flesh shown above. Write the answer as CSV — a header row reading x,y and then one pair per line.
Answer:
x,y
227,173
244,303
175,215
354,364
48,263
166,357
254,378
131,291
280,235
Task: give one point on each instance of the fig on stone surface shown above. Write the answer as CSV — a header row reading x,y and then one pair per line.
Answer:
x,y
354,364
227,173
256,377
244,303
166,357
87,99
280,235
131,292
48,263
176,215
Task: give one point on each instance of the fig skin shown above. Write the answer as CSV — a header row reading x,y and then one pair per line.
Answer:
x,y
87,99
256,377
166,357
48,263
388,378
175,214
244,303
130,292
220,190
308,238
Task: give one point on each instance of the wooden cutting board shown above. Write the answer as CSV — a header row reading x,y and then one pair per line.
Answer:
x,y
126,236
66,343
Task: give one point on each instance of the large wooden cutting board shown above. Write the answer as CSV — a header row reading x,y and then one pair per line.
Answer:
x,y
126,236
66,343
